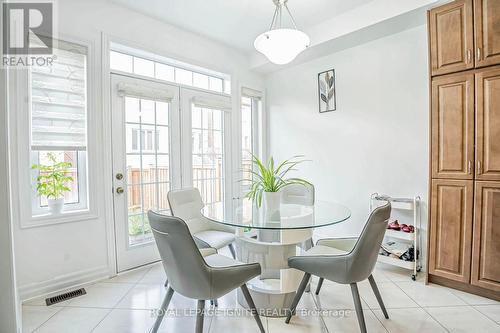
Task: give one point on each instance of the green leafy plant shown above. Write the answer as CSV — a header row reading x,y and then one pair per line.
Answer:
x,y
53,179
271,178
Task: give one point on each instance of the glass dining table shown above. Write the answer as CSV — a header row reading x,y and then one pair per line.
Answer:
x,y
270,238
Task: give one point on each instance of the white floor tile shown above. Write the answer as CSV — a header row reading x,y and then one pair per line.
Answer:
x,y
349,323
156,275
396,274
133,276
172,324
239,322
430,295
126,321
74,320
412,320
143,296
298,324
102,295
462,319
491,311
34,316
472,299
335,296
392,296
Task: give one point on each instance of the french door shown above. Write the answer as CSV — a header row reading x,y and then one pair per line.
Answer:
x,y
164,137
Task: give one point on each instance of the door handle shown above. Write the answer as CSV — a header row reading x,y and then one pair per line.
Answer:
x,y
120,190
119,176
478,53
469,55
469,170
479,171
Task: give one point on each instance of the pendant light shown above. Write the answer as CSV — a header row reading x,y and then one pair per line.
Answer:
x,y
281,45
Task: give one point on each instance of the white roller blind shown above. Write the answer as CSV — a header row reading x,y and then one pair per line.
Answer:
x,y
59,100
213,102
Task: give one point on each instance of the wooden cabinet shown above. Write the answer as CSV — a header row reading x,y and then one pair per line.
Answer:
x,y
486,244
451,229
464,226
487,32
452,126
451,37
488,124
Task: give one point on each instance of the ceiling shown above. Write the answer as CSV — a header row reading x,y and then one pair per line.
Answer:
x,y
237,22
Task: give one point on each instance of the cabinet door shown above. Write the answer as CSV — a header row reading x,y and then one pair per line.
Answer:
x,y
487,32
486,244
451,229
452,126
488,124
451,37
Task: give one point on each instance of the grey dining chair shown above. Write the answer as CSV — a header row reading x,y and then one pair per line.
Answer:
x,y
193,275
345,261
187,204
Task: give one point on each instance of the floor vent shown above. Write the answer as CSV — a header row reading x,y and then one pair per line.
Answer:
x,y
65,296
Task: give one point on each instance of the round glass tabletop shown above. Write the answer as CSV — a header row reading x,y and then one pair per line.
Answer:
x,y
244,214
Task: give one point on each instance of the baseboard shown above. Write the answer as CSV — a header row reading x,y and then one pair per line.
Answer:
x,y
63,282
468,288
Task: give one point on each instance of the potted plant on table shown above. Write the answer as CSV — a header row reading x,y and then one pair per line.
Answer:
x,y
268,181
53,182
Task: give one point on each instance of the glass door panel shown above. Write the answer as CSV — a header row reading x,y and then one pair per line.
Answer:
x,y
142,162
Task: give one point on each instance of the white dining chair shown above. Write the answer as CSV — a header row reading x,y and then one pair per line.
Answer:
x,y
187,204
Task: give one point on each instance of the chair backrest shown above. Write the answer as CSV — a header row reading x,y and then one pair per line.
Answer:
x,y
298,194
187,204
363,257
187,272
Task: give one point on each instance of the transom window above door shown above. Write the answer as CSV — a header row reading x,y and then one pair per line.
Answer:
x,y
142,63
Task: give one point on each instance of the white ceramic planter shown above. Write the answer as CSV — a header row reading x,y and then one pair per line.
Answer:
x,y
272,202
55,205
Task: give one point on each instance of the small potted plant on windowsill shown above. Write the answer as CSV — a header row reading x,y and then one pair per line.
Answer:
x,y
53,182
268,181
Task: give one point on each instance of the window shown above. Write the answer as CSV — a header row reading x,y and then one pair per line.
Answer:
x,y
250,115
198,77
58,96
208,153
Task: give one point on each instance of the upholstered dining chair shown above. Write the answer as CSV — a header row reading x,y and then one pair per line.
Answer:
x,y
298,194
345,261
301,195
196,276
187,204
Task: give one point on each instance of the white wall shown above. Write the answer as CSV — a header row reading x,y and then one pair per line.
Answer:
x,y
376,141
53,257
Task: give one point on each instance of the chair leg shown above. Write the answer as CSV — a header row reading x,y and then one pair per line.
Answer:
x,y
214,302
233,252
320,284
377,295
163,309
251,304
199,316
359,308
298,295
166,283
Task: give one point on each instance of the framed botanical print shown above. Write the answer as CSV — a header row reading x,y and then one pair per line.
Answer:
x,y
326,91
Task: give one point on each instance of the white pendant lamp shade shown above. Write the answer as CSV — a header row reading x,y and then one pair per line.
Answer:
x,y
281,46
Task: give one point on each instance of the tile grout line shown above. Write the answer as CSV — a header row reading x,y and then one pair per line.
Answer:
x,y
425,310
114,307
38,327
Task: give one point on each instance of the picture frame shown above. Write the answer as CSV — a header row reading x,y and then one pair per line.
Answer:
x,y
327,99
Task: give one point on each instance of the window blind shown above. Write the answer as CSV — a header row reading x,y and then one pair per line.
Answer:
x,y
59,100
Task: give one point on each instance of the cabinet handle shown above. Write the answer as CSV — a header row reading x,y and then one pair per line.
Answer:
x,y
479,171
469,170
469,55
478,53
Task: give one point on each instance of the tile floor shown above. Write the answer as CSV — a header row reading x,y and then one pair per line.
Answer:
x,y
125,303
